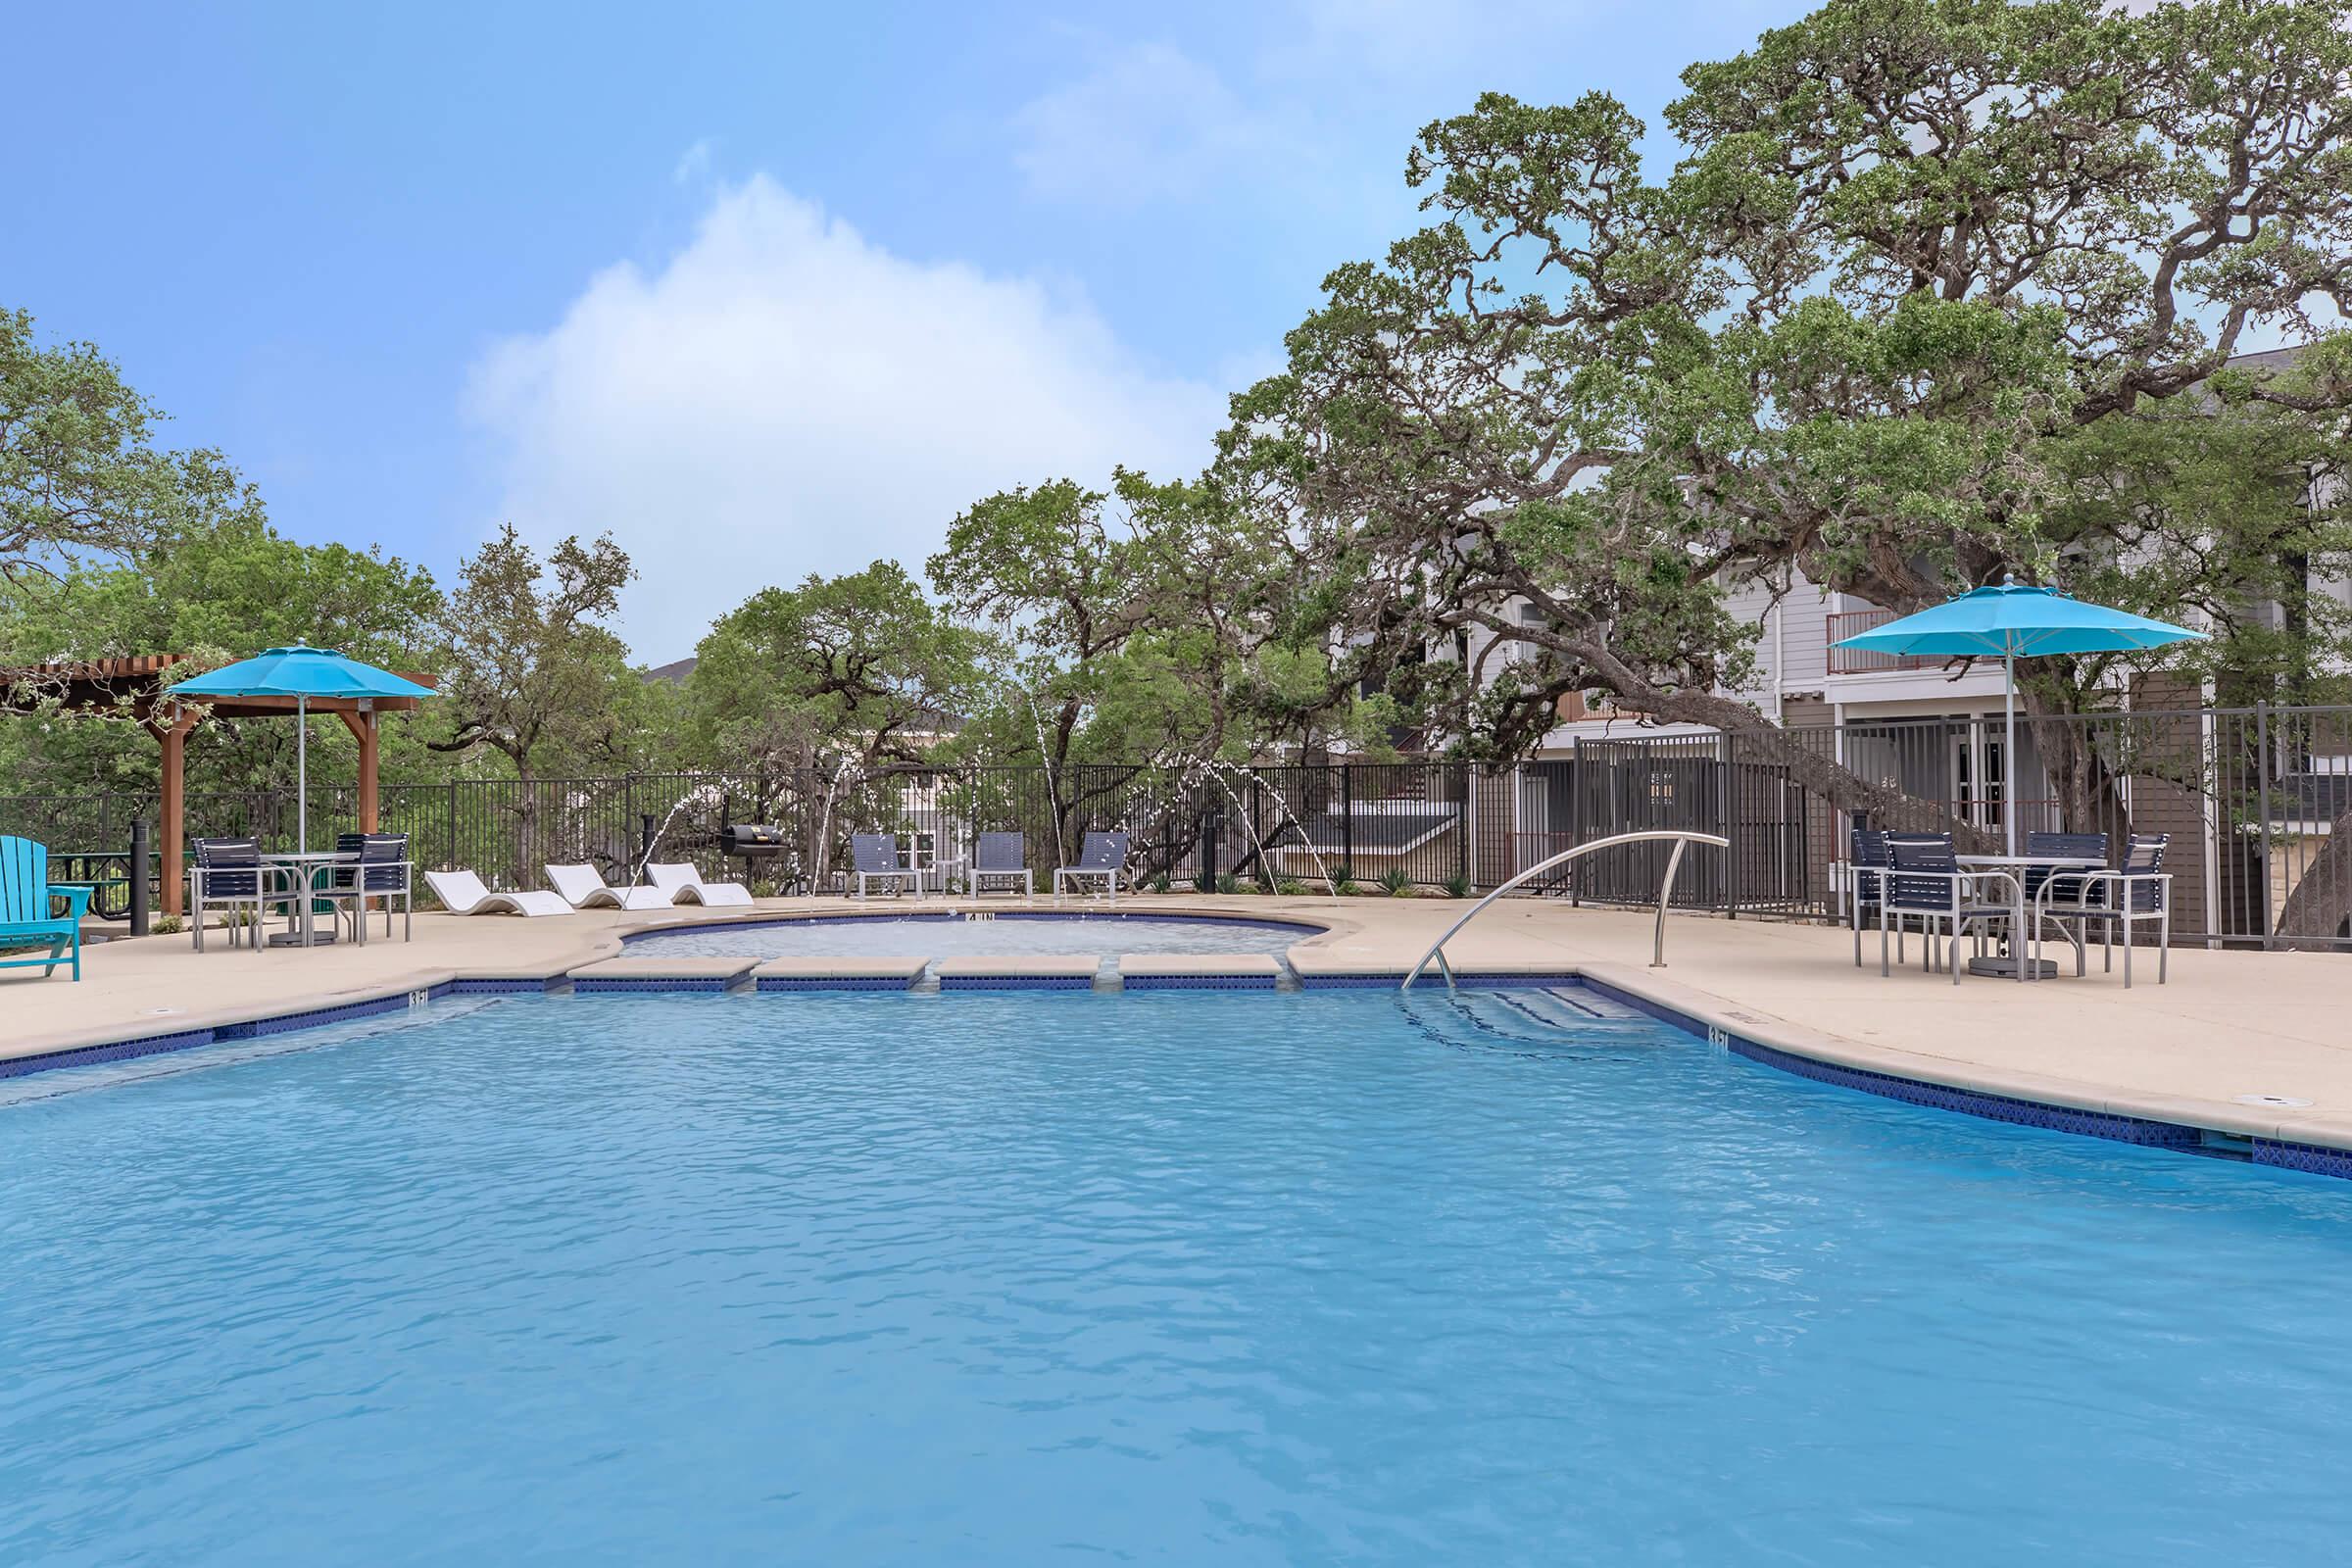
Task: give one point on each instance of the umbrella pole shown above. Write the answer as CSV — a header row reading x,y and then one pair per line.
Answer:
x,y
301,775
2009,770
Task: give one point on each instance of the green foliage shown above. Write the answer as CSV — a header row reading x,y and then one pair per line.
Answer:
x,y
80,475
1911,312
1160,883
535,673
219,591
1227,882
1290,887
842,673
1397,882
1458,886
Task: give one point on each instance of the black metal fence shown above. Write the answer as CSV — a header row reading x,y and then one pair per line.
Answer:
x,y
2249,798
1404,823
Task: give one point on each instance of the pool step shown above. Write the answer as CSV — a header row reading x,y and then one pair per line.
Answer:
x,y
1546,1016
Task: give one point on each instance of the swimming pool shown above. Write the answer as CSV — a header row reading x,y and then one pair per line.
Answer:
x,y
1293,1278
1005,934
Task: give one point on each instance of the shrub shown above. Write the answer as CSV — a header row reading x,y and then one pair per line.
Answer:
x,y
1159,883
1397,882
1290,887
1458,886
166,926
1227,882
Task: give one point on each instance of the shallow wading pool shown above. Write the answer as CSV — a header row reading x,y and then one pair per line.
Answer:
x,y
1298,1278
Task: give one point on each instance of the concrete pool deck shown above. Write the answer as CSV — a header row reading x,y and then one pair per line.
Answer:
x,y
2229,1024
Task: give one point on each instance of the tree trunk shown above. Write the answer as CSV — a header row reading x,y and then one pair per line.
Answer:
x,y
2321,906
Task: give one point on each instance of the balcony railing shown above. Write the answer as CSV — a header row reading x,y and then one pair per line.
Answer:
x,y
1860,661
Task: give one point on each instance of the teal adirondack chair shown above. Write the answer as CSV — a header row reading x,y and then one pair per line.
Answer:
x,y
24,918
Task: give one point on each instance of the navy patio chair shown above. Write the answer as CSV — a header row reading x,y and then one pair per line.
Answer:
x,y
1003,856
380,869
1928,884
1866,868
2139,892
229,874
2048,883
1103,855
874,857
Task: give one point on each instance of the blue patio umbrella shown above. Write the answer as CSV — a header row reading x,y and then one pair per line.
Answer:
x,y
2009,621
302,673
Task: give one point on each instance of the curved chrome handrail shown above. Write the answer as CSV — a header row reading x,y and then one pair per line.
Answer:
x,y
1658,959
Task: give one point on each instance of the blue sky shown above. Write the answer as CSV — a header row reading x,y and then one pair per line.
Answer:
x,y
779,286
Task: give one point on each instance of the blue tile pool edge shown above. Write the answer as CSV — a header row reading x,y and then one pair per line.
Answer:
x,y
2180,1137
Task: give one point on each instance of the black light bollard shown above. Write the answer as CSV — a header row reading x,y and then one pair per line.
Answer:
x,y
138,879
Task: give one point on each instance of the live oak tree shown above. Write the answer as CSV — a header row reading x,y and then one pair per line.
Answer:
x,y
81,474
835,681
1914,251
535,674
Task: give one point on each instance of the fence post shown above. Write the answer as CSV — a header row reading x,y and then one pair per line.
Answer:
x,y
1467,823
138,876
2261,813
1576,813
1347,816
1731,817
450,860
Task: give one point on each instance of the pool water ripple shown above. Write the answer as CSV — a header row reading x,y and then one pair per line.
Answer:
x,y
1270,1279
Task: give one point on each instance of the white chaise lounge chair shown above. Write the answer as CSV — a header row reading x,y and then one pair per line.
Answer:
x,y
680,883
462,893
583,888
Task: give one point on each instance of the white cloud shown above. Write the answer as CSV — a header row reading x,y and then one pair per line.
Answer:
x,y
783,396
694,164
1147,122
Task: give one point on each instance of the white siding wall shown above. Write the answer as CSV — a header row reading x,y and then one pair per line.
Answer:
x,y
1805,637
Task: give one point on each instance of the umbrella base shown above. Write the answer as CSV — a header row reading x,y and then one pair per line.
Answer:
x,y
2007,968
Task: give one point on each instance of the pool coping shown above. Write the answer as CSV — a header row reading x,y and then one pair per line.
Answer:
x,y
2020,1097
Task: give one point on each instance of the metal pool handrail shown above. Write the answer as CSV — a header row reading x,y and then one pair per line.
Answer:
x,y
1657,960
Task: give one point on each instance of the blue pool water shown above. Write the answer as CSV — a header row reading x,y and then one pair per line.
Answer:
x,y
1007,934
1236,1279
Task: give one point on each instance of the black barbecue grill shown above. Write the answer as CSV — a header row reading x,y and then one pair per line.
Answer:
x,y
750,841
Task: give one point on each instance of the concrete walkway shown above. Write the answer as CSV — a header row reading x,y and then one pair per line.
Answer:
x,y
2229,1025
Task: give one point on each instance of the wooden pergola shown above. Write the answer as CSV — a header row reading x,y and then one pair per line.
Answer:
x,y
133,688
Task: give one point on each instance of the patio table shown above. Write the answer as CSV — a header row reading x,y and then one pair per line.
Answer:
x,y
2016,964
302,928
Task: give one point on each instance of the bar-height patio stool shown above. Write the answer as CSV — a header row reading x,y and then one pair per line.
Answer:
x,y
874,857
1003,856
1866,879
1927,884
2141,892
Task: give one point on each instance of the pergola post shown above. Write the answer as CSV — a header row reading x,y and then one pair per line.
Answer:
x,y
363,729
174,827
